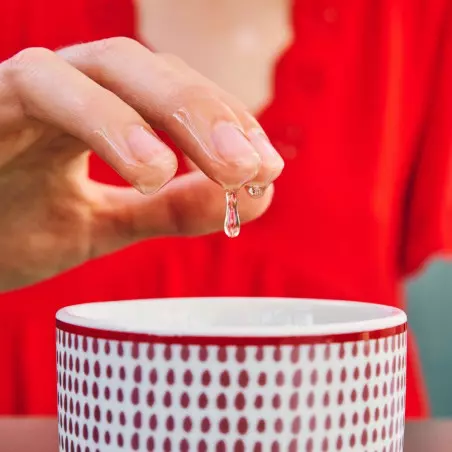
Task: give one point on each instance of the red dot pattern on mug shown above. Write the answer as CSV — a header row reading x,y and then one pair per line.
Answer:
x,y
119,395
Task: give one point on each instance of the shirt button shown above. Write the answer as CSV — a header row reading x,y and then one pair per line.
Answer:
x,y
293,133
291,141
287,151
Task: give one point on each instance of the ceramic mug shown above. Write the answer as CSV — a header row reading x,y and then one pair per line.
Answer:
x,y
237,374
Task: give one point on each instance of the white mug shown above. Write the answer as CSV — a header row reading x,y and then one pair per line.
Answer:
x,y
237,374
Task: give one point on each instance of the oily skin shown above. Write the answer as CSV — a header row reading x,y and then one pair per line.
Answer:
x,y
109,96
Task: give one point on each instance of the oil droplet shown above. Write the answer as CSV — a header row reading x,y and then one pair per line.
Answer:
x,y
232,219
255,191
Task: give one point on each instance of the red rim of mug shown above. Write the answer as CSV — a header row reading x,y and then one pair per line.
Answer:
x,y
230,340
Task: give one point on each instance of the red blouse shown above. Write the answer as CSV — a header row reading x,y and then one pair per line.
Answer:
x,y
363,117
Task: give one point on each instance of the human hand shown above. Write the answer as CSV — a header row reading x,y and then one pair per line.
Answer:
x,y
107,96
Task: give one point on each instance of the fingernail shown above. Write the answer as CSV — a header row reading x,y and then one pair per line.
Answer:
x,y
158,162
145,148
233,146
148,188
269,155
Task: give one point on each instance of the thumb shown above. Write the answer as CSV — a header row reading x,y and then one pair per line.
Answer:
x,y
189,205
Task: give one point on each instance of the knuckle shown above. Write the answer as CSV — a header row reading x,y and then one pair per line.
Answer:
x,y
30,57
25,64
180,71
116,45
173,60
198,92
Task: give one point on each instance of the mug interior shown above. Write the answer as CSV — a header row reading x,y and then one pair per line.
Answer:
x,y
233,316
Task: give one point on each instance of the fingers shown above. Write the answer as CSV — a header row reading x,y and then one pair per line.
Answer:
x,y
176,99
190,165
272,163
118,88
190,205
53,91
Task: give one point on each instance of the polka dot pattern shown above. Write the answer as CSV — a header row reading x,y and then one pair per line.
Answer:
x,y
119,395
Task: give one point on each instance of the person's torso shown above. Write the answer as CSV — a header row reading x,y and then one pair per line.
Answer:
x,y
331,82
